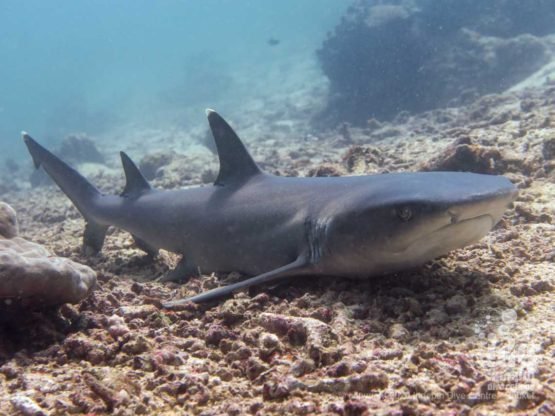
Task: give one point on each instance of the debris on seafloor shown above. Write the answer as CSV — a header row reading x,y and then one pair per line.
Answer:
x,y
31,276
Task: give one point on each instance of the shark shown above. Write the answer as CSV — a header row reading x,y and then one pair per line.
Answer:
x,y
272,228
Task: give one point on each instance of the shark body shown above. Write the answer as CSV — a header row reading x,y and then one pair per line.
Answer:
x,y
273,227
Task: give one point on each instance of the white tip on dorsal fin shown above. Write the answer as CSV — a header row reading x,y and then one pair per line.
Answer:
x,y
236,164
135,182
34,148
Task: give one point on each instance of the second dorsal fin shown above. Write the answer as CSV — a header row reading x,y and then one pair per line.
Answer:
x,y
236,164
135,182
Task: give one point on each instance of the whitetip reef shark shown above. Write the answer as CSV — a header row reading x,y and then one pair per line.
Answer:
x,y
274,227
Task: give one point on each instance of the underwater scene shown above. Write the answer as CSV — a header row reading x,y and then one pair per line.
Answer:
x,y
252,207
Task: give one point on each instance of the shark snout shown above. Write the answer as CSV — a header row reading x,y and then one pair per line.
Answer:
x,y
492,205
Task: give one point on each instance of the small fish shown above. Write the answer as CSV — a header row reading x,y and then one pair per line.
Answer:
x,y
273,42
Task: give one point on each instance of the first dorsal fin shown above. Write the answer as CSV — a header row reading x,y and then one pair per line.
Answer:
x,y
135,182
236,164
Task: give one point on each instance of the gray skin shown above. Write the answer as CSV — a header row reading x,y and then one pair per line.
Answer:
x,y
273,227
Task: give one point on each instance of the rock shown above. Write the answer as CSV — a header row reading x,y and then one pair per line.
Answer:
x,y
26,406
301,408
8,221
79,148
456,304
356,408
363,159
548,148
341,369
398,331
30,275
137,345
117,327
232,311
326,170
435,317
315,335
303,366
484,392
216,333
137,311
254,368
275,391
468,157
363,383
151,164
268,344
530,396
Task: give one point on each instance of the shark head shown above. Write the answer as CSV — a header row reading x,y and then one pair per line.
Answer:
x,y
408,219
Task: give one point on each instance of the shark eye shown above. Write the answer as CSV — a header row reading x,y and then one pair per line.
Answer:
x,y
404,213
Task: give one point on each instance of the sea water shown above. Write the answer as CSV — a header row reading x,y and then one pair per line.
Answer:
x,y
93,66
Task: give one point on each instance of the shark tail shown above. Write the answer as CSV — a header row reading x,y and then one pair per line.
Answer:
x,y
78,189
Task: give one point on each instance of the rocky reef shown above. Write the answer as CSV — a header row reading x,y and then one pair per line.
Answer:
x,y
390,56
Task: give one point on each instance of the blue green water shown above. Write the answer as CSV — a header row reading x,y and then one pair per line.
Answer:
x,y
88,65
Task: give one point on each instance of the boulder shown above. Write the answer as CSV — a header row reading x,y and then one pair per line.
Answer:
x,y
31,276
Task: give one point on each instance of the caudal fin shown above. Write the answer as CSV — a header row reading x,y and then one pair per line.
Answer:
x,y
79,190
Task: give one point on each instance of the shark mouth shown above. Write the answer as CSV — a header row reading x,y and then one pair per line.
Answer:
x,y
450,237
437,243
463,225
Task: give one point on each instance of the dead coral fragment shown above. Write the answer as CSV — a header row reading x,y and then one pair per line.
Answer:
x,y
317,337
363,159
31,275
26,406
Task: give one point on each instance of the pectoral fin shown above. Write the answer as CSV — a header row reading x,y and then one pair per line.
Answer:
x,y
146,247
181,273
299,266
93,237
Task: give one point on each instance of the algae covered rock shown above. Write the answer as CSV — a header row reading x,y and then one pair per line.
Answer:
x,y
31,275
